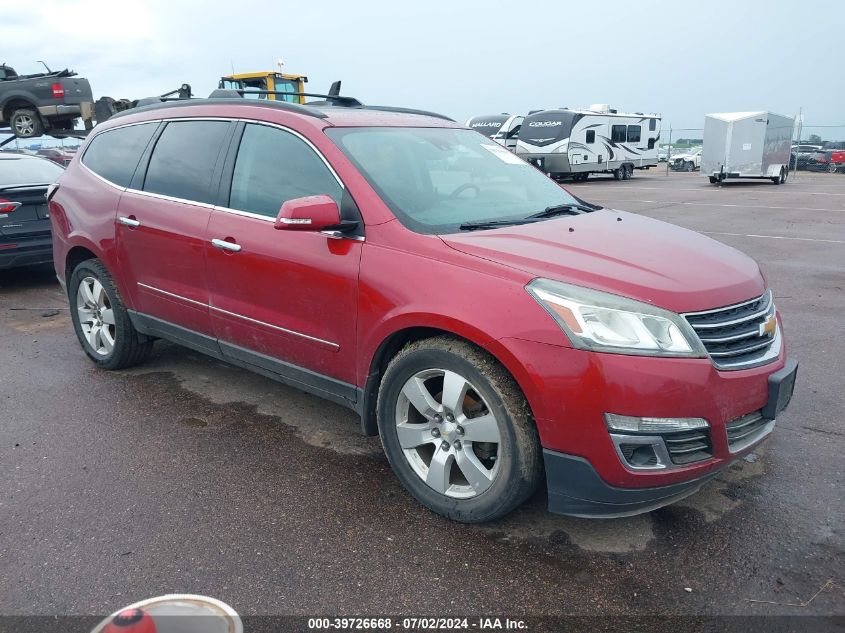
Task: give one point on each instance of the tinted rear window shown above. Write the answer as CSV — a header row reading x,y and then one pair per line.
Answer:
x,y
114,154
28,171
183,160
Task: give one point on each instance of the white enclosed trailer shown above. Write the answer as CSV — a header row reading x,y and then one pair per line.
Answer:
x,y
746,145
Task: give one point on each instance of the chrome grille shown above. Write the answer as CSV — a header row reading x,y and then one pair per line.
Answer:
x,y
734,335
746,430
687,447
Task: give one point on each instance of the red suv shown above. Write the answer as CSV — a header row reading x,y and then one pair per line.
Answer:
x,y
492,328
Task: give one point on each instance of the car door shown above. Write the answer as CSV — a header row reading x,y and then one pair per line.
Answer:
x,y
285,301
161,224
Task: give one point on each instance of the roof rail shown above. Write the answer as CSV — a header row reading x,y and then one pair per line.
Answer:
x,y
409,111
335,99
263,103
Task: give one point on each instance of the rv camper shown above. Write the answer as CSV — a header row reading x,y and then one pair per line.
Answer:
x,y
578,143
502,128
747,145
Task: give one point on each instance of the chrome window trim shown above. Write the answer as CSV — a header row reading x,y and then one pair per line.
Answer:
x,y
240,316
161,196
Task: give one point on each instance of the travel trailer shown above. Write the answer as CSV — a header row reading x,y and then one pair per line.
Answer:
x,y
747,145
502,128
578,143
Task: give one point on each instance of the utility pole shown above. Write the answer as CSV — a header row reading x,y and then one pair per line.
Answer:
x,y
800,129
669,150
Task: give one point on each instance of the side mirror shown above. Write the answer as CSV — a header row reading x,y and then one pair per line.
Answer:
x,y
311,213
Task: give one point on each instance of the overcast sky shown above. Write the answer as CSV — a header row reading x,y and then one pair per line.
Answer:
x,y
681,59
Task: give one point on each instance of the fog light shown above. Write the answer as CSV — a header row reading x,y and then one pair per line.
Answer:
x,y
630,424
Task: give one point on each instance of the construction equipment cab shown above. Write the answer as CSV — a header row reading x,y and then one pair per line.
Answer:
x,y
255,85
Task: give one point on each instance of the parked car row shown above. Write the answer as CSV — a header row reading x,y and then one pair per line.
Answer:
x,y
182,221
24,219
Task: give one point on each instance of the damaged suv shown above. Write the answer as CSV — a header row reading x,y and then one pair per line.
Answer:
x,y
493,329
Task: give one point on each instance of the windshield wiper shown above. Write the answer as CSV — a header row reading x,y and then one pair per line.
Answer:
x,y
561,209
490,224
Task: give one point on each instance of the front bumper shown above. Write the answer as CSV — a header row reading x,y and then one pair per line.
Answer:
x,y
570,391
575,489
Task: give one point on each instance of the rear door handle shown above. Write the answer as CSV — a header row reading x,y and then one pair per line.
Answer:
x,y
129,221
226,246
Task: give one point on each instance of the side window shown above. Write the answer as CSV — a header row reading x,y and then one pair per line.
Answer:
x,y
634,133
114,154
651,143
652,125
617,133
183,159
591,136
274,166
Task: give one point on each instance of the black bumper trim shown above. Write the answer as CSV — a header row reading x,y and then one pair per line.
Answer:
x,y
575,489
40,252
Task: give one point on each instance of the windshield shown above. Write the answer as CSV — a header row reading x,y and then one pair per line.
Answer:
x,y
286,85
28,171
437,179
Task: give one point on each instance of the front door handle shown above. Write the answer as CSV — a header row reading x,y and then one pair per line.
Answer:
x,y
129,222
226,246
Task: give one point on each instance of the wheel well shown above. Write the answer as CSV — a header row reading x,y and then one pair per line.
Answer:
x,y
16,104
381,359
76,256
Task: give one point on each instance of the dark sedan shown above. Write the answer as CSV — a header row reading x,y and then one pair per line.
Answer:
x,y
24,221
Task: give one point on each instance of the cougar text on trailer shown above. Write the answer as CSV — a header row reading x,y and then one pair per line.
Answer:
x,y
747,145
576,143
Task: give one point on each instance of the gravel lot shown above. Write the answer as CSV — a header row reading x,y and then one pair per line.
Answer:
x,y
190,475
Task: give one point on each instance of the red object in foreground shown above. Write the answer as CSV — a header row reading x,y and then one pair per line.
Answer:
x,y
131,621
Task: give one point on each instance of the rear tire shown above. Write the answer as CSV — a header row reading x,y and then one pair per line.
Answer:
x,y
101,321
26,123
627,172
618,173
689,166
473,455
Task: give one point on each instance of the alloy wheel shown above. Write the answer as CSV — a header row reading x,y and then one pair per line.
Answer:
x,y
96,317
24,125
448,433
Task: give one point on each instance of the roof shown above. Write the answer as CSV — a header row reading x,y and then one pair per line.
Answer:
x,y
736,116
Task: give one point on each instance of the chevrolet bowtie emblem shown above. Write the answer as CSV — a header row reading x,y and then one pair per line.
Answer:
x,y
767,327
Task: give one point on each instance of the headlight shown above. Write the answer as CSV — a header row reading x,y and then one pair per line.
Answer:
x,y
604,322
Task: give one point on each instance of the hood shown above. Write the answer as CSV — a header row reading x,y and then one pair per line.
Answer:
x,y
625,254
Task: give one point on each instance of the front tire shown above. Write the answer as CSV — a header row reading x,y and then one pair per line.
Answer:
x,y
628,172
618,173
689,166
457,430
101,321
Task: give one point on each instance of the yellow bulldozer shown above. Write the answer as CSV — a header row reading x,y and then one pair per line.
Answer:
x,y
272,85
